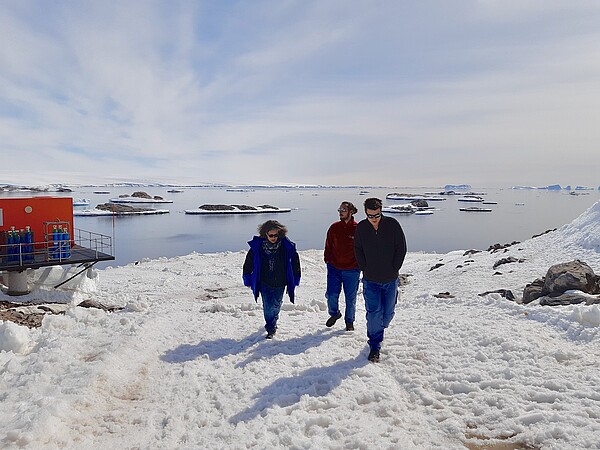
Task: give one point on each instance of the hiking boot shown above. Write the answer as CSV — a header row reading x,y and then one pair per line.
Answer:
x,y
374,356
349,326
270,334
333,319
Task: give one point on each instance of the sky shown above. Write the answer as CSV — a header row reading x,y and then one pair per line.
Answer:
x,y
184,362
394,93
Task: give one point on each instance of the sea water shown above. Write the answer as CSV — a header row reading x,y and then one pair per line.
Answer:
x,y
518,215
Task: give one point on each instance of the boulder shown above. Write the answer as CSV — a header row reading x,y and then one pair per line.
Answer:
x,y
510,259
420,203
141,194
533,291
506,293
572,275
562,299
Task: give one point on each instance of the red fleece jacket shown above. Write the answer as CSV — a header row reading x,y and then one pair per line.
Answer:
x,y
339,245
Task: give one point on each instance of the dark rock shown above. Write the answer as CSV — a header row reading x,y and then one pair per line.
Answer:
x,y
444,295
471,252
141,194
403,278
572,275
510,259
506,293
217,207
497,273
541,234
30,320
120,208
436,266
420,203
533,291
562,299
95,304
497,247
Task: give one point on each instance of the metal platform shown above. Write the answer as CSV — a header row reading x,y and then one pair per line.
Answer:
x,y
85,247
79,255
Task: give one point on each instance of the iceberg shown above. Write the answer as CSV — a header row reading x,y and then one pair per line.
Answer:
x,y
455,187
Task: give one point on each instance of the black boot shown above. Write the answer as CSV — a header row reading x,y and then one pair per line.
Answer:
x,y
333,319
374,356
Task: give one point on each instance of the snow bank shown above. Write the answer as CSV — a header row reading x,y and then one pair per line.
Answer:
x,y
14,338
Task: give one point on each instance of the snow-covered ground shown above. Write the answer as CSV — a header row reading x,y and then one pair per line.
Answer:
x,y
185,365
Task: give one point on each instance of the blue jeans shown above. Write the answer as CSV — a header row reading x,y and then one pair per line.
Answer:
x,y
272,298
380,303
335,280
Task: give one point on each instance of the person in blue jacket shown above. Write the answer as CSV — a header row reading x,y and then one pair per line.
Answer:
x,y
271,265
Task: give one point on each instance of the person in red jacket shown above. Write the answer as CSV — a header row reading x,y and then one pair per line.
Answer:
x,y
342,268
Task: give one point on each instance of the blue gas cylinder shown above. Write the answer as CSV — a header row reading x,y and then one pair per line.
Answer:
x,y
65,251
28,248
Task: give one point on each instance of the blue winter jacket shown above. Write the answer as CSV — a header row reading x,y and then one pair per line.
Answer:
x,y
252,279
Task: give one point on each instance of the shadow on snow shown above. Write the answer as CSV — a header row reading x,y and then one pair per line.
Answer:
x,y
284,392
214,349
264,348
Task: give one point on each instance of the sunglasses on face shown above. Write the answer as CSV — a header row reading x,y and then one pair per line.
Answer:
x,y
273,235
342,210
374,216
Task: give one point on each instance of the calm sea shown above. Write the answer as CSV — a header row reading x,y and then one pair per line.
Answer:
x,y
518,215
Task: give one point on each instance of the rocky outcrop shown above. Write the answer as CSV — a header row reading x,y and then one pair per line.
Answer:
x,y
420,203
120,208
24,314
209,207
569,276
217,207
497,247
510,259
142,194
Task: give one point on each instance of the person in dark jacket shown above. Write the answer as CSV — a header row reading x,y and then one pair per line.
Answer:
x,y
342,269
271,265
380,248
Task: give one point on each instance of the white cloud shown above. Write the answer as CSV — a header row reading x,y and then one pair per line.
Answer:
x,y
322,92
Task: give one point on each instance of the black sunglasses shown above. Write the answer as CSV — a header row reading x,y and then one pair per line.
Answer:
x,y
374,216
273,235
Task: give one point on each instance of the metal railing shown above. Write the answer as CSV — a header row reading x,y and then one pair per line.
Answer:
x,y
82,244
98,243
